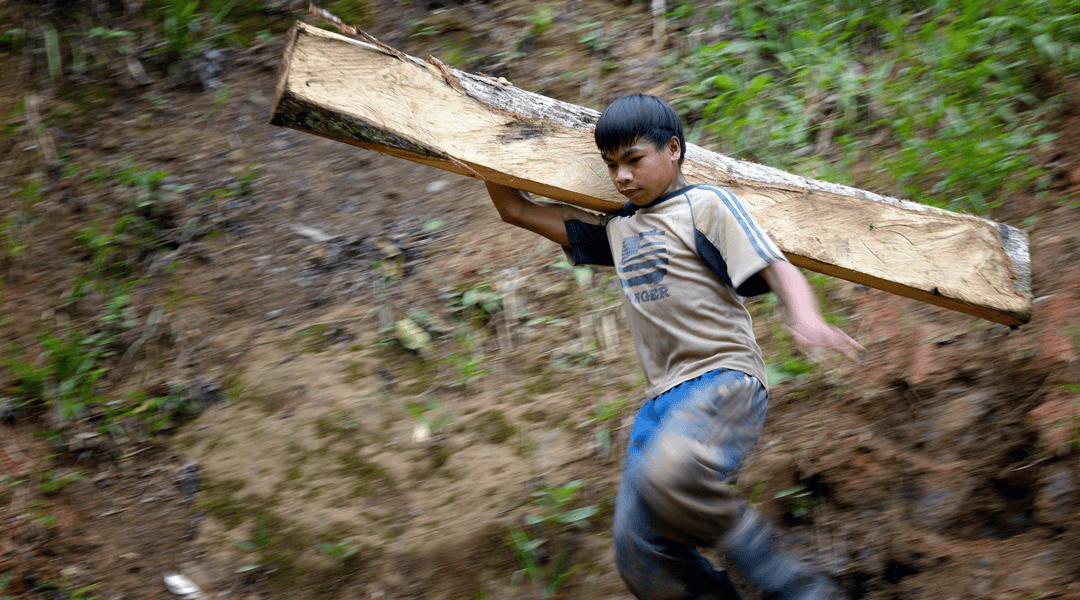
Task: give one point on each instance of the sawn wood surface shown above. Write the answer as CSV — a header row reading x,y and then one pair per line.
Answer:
x,y
377,98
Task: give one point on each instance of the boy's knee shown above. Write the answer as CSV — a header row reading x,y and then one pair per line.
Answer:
x,y
670,466
682,483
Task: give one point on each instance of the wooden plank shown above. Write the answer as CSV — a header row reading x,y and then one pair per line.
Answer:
x,y
374,97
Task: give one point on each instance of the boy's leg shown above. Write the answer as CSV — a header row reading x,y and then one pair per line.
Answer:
x,y
752,547
711,425
657,569
680,477
656,560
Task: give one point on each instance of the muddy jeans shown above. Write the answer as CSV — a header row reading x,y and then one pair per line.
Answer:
x,y
673,497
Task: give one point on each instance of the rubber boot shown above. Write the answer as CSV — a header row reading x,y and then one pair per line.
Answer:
x,y
752,548
724,591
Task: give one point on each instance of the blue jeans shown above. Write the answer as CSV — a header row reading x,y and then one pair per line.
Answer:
x,y
674,496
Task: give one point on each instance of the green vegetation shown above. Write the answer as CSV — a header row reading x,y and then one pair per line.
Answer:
x,y
495,428
949,99
68,365
552,517
4,579
799,502
339,551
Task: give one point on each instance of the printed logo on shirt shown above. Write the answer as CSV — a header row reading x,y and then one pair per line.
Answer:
x,y
644,259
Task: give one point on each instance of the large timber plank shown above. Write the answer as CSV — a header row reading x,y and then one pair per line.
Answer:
x,y
376,98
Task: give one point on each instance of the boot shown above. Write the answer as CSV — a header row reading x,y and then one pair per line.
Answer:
x,y
725,590
752,548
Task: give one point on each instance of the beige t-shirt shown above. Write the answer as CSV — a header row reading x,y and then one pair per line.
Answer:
x,y
685,262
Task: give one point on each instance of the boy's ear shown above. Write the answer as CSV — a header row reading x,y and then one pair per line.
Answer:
x,y
675,147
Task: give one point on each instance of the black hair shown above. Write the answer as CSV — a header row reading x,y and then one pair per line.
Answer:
x,y
635,117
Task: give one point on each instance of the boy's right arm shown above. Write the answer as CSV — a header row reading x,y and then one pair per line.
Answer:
x,y
518,208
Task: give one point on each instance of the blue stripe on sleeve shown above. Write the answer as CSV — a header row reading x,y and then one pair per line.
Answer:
x,y
757,238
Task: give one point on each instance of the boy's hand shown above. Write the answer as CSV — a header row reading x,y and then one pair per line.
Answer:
x,y
819,334
518,208
807,327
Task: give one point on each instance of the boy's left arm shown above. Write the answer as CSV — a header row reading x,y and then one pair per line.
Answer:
x,y
806,325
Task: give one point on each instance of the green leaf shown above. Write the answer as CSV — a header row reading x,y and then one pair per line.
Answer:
x,y
410,335
798,491
578,514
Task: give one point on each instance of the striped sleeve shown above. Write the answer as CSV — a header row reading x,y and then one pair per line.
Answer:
x,y
743,248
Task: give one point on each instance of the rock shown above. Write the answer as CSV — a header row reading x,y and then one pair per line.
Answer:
x,y
188,480
83,441
1058,495
1055,421
316,253
1053,316
315,235
7,411
936,508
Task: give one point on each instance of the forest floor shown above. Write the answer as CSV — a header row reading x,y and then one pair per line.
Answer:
x,y
327,461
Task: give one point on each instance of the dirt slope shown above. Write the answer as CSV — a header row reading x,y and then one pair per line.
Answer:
x,y
328,461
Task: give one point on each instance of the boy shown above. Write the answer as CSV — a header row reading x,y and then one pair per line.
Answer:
x,y
685,256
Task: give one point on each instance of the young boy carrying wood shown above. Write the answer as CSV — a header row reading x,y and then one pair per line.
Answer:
x,y
686,255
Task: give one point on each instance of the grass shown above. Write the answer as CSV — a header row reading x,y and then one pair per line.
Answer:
x,y
949,101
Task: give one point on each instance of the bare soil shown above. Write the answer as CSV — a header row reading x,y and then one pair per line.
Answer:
x,y
942,464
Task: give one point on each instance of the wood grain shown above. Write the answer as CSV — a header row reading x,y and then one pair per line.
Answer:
x,y
423,111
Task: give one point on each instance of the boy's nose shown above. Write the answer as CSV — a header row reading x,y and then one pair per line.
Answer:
x,y
623,175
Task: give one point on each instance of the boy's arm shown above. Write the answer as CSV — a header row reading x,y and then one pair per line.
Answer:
x,y
806,325
518,208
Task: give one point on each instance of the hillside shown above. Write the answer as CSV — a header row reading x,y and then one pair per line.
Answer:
x,y
288,368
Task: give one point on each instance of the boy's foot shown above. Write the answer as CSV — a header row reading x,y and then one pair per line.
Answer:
x,y
752,549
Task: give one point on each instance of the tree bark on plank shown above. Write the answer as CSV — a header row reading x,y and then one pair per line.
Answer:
x,y
377,98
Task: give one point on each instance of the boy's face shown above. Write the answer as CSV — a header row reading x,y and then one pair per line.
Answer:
x,y
642,173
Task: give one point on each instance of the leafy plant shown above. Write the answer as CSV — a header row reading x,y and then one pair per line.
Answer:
x,y
477,301
469,367
799,501
542,19
947,106
530,554
4,580
51,482
68,376
190,25
431,414
554,502
607,411
339,551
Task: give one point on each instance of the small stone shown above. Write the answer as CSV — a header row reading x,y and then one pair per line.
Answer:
x,y
7,411
188,480
83,441
315,235
421,433
316,253
437,186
